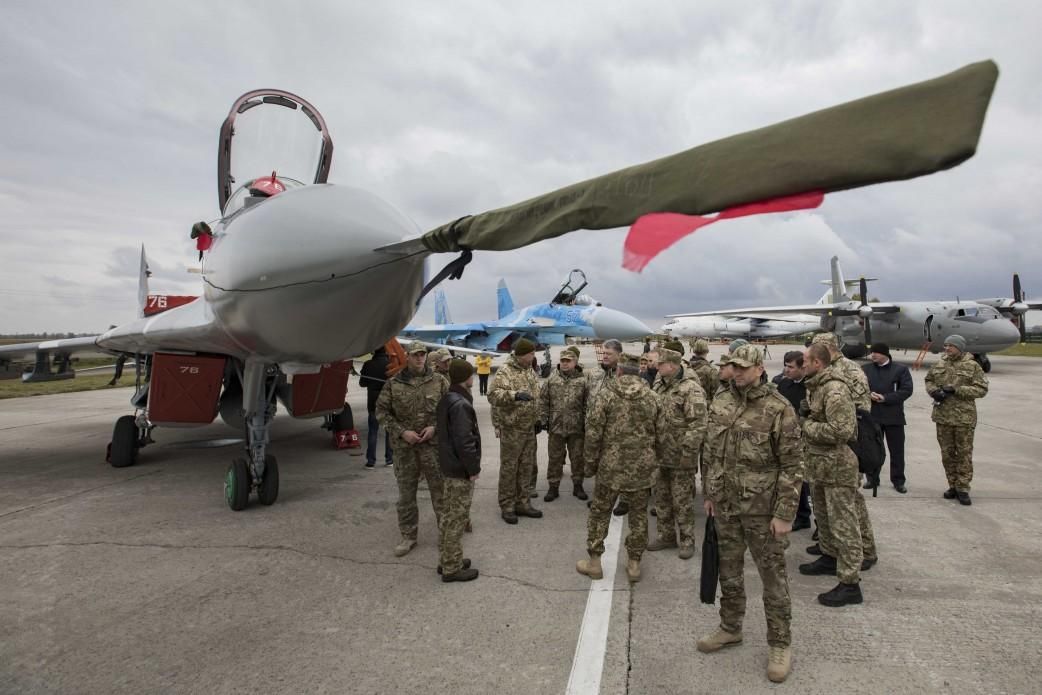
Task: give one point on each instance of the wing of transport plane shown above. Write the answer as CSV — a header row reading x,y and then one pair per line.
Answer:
x,y
774,312
46,354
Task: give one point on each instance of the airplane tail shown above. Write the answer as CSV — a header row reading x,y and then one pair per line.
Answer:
x,y
142,284
504,302
839,285
441,308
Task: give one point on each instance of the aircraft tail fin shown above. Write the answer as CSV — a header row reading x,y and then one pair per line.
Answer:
x,y
142,284
504,302
441,308
839,285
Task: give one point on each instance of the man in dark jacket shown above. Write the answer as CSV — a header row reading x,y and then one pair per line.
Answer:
x,y
890,385
791,384
459,455
372,379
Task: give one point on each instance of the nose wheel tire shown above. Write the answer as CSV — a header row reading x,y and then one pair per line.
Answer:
x,y
237,484
125,442
268,491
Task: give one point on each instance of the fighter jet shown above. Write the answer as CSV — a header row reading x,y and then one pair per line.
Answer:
x,y
299,276
570,314
920,326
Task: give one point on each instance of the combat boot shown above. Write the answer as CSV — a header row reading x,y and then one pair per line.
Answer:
x,y
964,498
577,490
529,511
464,575
509,516
950,494
465,565
814,549
553,493
718,640
622,508
661,543
633,570
686,551
841,595
590,567
779,663
403,548
826,564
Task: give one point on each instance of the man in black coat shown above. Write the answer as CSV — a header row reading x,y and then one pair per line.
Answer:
x,y
459,455
791,384
372,379
890,385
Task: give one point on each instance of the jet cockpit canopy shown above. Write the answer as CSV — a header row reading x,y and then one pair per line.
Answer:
x,y
573,285
275,133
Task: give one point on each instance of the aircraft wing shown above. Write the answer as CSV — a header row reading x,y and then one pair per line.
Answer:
x,y
777,312
62,346
452,348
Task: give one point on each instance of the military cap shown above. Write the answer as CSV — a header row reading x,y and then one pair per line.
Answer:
x,y
630,359
701,347
669,355
745,356
676,346
957,342
440,355
523,347
460,371
826,339
571,350
416,346
736,343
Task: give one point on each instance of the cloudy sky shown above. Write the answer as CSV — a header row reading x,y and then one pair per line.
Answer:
x,y
111,113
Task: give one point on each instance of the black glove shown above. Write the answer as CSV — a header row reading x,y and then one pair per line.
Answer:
x,y
523,396
539,427
804,410
948,389
939,396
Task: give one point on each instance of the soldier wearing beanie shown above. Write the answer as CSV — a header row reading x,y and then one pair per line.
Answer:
x,y
515,415
459,455
955,382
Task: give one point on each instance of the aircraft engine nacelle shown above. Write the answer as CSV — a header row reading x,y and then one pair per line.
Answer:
x,y
854,351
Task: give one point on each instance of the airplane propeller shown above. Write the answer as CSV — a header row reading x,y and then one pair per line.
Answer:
x,y
1019,308
865,311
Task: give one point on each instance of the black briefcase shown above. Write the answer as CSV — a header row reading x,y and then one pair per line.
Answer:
x,y
710,564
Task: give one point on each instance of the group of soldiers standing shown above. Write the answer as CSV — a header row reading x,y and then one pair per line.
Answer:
x,y
651,423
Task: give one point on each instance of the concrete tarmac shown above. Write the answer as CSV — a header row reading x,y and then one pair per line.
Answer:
x,y
142,580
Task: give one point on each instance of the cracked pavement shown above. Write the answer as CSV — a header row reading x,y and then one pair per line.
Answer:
x,y
141,580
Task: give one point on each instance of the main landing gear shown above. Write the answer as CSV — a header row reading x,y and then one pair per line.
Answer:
x,y
257,470
983,361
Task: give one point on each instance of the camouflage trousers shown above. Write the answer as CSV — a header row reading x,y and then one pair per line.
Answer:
x,y
555,449
411,462
957,454
516,467
455,514
600,517
675,504
734,535
844,530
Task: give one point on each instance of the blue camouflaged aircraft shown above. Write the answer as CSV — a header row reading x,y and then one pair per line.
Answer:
x,y
569,314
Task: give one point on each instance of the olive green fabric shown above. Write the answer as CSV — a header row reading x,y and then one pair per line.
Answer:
x,y
900,134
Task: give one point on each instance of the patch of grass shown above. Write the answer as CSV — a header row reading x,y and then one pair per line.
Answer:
x,y
1023,350
14,388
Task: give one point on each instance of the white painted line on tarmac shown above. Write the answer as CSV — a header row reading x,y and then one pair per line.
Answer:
x,y
588,662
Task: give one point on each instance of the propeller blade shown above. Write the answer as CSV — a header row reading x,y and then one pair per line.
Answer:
x,y
901,134
1018,293
863,288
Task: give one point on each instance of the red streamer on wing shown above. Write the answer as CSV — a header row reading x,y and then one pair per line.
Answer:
x,y
655,232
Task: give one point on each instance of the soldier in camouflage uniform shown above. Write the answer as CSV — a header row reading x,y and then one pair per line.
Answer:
x,y
515,413
954,383
611,351
854,377
755,469
832,469
439,361
562,410
683,422
407,408
622,439
708,376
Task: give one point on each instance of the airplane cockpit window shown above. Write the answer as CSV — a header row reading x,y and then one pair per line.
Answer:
x,y
573,285
246,195
270,131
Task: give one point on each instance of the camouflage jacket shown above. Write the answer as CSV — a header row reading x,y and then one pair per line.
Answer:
x,y
854,377
969,381
831,424
754,452
562,402
708,376
622,434
410,402
508,413
596,379
683,421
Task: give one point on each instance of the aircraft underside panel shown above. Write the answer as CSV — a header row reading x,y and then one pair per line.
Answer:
x,y
317,394
184,389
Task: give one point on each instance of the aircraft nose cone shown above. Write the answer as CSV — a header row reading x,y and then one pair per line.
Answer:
x,y
609,323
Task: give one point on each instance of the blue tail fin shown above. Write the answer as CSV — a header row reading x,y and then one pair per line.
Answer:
x,y
441,308
503,300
